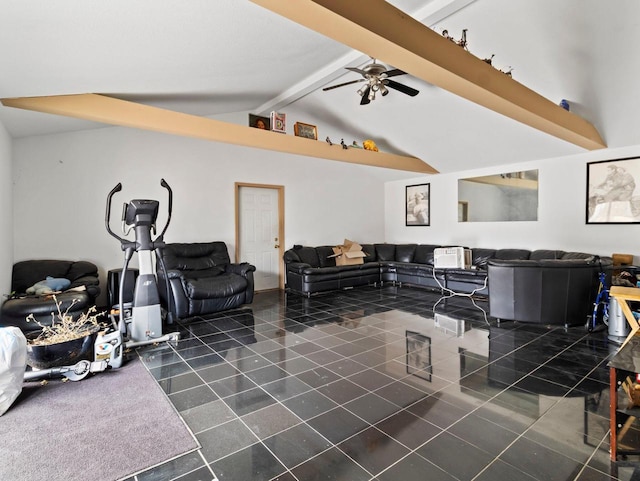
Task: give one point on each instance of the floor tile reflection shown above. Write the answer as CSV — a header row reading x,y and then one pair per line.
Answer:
x,y
388,383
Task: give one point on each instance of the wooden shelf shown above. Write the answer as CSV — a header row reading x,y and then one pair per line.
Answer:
x,y
384,32
108,110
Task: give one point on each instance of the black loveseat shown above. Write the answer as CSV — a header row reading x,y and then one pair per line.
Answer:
x,y
310,270
75,299
202,279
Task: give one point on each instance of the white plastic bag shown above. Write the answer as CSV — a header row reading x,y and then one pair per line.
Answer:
x,y
13,362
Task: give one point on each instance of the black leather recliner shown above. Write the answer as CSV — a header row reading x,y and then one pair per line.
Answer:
x,y
202,279
75,300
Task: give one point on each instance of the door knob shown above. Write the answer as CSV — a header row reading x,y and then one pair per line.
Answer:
x,y
276,246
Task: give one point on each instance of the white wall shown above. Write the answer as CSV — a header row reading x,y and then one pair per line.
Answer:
x,y
561,212
6,213
62,180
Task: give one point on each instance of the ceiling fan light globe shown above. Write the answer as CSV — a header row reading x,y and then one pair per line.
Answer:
x,y
383,90
361,92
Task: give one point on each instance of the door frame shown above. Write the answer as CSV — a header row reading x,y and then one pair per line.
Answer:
x,y
280,190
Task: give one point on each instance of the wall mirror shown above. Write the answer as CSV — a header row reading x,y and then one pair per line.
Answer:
x,y
512,196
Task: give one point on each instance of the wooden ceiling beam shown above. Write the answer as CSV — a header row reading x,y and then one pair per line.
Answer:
x,y
384,32
108,110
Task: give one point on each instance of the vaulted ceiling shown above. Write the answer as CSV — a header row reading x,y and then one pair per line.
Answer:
x,y
225,58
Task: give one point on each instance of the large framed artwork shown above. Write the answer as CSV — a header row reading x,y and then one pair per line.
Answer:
x,y
417,204
419,355
613,191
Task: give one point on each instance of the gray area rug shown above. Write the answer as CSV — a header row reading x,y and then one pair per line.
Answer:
x,y
105,427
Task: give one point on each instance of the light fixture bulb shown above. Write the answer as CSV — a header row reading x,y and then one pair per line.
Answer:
x,y
360,92
383,90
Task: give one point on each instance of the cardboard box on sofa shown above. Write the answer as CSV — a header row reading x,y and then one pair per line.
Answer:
x,y
349,253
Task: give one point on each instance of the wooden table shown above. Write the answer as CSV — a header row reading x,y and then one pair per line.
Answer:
x,y
623,419
622,295
625,361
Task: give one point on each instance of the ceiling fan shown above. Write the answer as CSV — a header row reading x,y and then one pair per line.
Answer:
x,y
377,80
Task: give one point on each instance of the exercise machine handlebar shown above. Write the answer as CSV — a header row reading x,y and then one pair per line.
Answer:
x,y
164,184
107,215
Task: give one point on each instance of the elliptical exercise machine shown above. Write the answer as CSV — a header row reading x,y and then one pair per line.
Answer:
x,y
139,323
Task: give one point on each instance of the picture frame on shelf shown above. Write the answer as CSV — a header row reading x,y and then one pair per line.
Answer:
x,y
259,122
418,204
278,122
418,357
613,191
307,131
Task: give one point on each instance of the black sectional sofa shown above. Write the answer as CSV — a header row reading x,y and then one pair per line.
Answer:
x,y
572,276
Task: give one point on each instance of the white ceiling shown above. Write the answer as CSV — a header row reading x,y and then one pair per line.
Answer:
x,y
220,57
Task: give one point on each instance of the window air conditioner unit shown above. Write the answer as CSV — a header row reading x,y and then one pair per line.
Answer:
x,y
452,257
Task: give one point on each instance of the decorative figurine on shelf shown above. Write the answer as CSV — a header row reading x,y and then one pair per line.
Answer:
x,y
489,59
370,145
328,141
463,40
508,72
355,145
344,146
565,105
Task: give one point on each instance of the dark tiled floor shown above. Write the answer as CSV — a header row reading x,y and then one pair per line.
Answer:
x,y
378,384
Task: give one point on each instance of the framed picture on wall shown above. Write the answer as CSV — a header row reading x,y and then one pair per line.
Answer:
x,y
417,204
613,191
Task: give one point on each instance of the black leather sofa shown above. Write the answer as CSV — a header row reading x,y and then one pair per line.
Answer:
x,y
81,293
310,270
202,279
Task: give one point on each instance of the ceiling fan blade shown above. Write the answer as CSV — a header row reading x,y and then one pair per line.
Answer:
x,y
401,88
365,96
394,72
354,69
343,84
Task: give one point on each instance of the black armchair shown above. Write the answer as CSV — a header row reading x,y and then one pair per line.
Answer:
x,y
546,291
76,299
202,279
